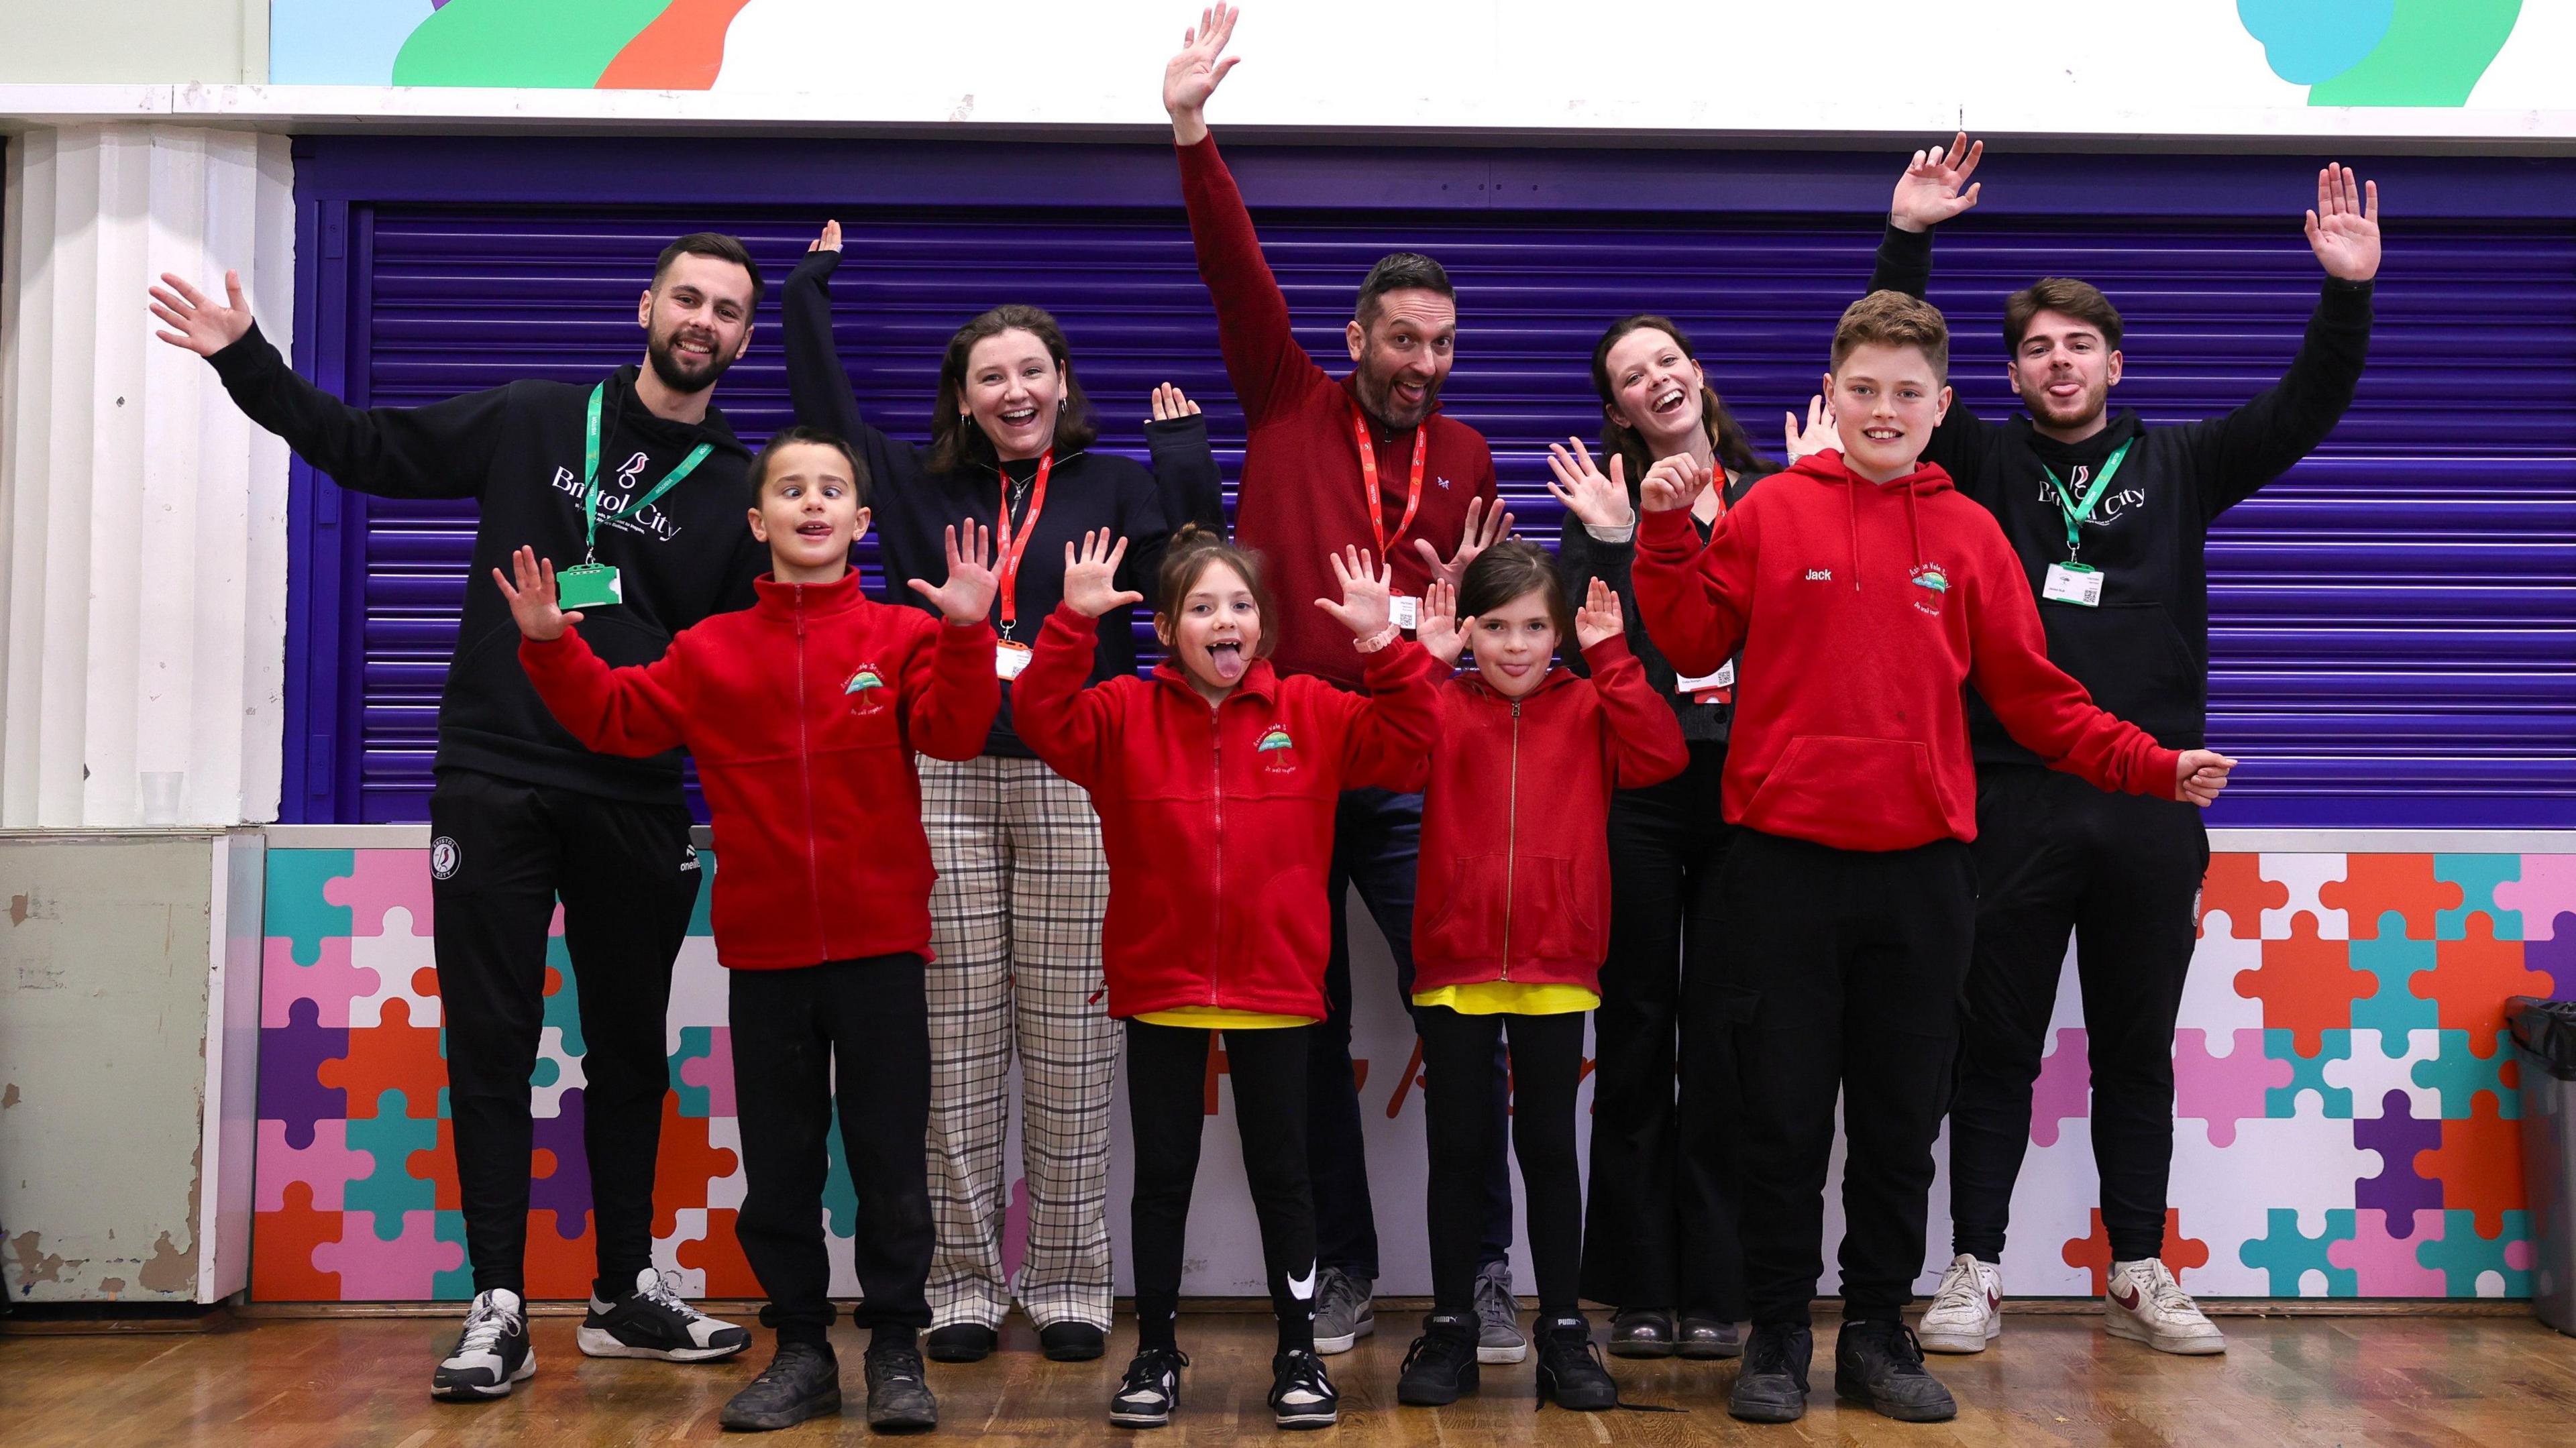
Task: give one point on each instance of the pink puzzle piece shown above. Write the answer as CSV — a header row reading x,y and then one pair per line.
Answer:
x,y
2385,1266
2064,1089
2223,1090
2546,890
381,880
714,1071
330,982
328,1165
404,1269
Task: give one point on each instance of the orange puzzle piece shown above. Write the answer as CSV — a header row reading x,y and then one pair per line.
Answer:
x,y
2307,985
2236,885
395,1056
719,1255
2471,979
560,1266
2405,884
686,1165
281,1249
2479,1165
2093,1253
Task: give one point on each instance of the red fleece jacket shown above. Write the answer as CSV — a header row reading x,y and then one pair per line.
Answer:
x,y
1218,822
803,711
1302,497
1862,608
1515,878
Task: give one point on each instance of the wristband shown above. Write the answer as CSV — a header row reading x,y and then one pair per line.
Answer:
x,y
1378,640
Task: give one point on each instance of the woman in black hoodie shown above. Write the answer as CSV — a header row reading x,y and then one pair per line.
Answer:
x,y
1022,881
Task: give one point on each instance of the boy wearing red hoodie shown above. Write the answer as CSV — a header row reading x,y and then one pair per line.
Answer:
x,y
804,712
1868,593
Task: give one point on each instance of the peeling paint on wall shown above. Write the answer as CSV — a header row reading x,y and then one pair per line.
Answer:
x,y
36,1265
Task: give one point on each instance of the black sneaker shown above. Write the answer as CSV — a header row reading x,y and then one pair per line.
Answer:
x,y
1771,1387
491,1353
1881,1364
652,1322
1570,1368
1301,1396
960,1342
803,1381
1440,1365
1705,1339
1641,1332
899,1401
1151,1389
1072,1342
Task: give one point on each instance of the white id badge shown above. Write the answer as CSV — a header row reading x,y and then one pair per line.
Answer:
x,y
1010,658
1724,678
2073,583
1406,612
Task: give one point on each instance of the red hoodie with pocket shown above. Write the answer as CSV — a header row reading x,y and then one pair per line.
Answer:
x,y
1862,609
803,712
1218,822
1515,875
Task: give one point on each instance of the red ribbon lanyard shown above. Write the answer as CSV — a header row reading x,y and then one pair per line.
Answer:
x,y
1368,478
1015,544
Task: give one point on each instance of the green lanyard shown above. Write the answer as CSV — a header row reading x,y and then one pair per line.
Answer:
x,y
2078,514
590,479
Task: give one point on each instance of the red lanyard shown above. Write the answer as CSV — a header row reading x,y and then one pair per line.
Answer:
x,y
1015,544
1368,477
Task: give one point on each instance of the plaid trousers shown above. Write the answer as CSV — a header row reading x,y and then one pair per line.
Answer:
x,y
1015,926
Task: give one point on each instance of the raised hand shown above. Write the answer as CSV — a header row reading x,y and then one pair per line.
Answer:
x,y
1675,482
1194,74
202,327
1819,434
1598,618
1169,403
1091,577
1928,193
1593,499
1439,630
2200,775
1484,529
1367,587
532,599
967,596
2344,229
830,240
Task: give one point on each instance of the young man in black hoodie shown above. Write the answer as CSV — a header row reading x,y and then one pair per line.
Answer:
x,y
639,479
2111,519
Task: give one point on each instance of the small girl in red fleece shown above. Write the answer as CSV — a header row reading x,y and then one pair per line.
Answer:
x,y
1216,781
1510,928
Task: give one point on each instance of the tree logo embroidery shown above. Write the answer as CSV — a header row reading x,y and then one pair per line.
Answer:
x,y
1930,578
1278,752
863,688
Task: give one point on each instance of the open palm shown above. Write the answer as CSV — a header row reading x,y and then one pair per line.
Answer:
x,y
2344,229
1194,74
1935,185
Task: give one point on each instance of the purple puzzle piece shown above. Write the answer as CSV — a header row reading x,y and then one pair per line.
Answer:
x,y
2556,955
290,1066
2223,1090
2064,1089
567,1192
2399,1190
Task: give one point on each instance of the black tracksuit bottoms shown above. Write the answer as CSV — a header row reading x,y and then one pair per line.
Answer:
x,y
1170,1095
503,851
1546,1067
2121,872
1843,979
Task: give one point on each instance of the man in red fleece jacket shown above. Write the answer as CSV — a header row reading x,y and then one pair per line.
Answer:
x,y
1867,592
1366,461
804,712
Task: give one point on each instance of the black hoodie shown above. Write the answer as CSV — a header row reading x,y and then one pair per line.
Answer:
x,y
2144,653
517,450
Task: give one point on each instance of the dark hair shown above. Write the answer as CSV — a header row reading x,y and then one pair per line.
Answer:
x,y
1726,437
1506,571
787,437
715,244
2080,300
955,441
1893,319
1192,552
1399,271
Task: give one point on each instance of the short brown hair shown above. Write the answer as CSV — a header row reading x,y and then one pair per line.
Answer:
x,y
1400,271
714,244
1893,319
787,437
2081,300
1193,551
955,442
1506,571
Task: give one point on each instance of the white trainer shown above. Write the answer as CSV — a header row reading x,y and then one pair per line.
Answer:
x,y
2145,1304
1968,1310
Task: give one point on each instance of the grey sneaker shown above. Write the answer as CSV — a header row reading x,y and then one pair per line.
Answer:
x,y
1345,1311
1498,1316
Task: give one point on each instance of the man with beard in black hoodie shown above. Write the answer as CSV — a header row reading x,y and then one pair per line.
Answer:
x,y
2111,519
638,479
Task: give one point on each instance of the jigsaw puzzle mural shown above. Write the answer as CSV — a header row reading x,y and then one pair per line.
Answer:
x,y
2345,1099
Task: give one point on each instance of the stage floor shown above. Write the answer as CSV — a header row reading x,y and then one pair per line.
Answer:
x,y
2053,1379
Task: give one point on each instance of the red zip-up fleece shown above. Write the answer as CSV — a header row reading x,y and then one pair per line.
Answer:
x,y
1515,879
803,712
1302,497
1865,607
1218,822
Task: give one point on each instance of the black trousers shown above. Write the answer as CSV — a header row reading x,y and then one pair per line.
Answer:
x,y
1663,1207
851,1034
503,853
1167,1108
1844,980
1546,1067
2121,872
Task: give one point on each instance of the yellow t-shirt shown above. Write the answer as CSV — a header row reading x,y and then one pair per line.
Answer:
x,y
1218,1018
1509,998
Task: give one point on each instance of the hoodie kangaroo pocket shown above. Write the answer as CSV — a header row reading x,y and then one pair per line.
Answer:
x,y
1469,922
1851,793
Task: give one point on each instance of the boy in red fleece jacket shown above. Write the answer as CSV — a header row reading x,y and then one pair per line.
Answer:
x,y
1867,593
804,712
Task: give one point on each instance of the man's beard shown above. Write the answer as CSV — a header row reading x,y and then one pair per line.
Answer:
x,y
1377,394
663,353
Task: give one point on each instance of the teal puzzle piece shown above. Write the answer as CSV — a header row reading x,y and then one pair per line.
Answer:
x,y
391,1190
563,1008
700,922
840,1197
2459,1073
295,908
2462,1256
2477,876
695,1042
2308,1073
2395,1010
2288,1255
456,1285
